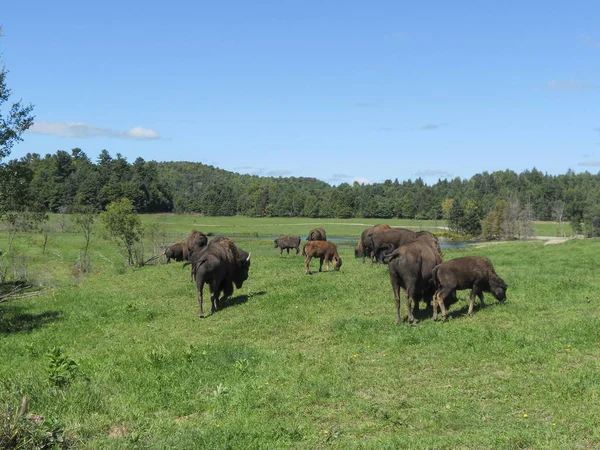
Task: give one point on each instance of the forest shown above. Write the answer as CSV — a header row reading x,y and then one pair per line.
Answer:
x,y
65,180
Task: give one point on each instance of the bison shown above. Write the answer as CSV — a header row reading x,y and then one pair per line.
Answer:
x,y
286,242
177,251
411,268
195,241
317,234
387,240
364,244
221,265
325,251
469,272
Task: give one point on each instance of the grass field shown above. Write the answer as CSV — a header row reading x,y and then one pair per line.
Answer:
x,y
297,361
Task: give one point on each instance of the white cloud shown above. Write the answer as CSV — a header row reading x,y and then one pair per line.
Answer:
x,y
433,173
567,85
81,129
432,126
361,180
589,163
278,173
141,133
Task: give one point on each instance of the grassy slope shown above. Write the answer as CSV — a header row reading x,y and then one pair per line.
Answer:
x,y
302,361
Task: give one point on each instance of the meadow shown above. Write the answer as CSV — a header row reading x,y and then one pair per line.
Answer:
x,y
118,358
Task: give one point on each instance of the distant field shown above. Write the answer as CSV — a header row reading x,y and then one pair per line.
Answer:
x,y
181,224
297,361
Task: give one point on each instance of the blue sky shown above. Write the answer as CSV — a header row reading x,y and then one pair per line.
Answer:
x,y
340,91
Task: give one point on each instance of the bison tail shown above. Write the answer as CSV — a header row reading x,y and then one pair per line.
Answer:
x,y
388,252
435,277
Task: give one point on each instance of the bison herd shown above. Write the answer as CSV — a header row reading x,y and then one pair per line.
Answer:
x,y
414,260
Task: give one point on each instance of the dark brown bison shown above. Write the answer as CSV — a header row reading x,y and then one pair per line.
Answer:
x,y
195,241
411,268
364,243
177,251
317,234
286,242
325,251
469,272
221,265
387,240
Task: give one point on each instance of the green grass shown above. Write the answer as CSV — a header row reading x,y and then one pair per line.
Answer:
x,y
297,361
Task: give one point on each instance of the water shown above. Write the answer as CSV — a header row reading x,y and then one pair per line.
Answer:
x,y
354,241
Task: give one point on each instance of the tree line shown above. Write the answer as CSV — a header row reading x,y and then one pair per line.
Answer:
x,y
497,204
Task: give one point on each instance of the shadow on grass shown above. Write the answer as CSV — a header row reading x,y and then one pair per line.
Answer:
x,y
426,313
239,300
14,320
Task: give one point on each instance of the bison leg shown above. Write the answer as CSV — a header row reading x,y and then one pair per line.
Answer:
x,y
214,296
200,286
396,288
441,298
435,304
288,251
297,250
280,252
475,292
320,263
307,265
410,293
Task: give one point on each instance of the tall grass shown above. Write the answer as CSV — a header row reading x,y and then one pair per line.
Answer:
x,y
298,361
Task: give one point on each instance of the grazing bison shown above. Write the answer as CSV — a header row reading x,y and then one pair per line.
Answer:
x,y
317,234
325,251
364,244
286,242
221,264
195,241
411,268
469,272
177,251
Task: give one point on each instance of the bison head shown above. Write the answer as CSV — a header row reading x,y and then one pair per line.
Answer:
x,y
276,242
337,264
498,289
242,268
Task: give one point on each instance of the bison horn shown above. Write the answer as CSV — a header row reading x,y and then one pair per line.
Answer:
x,y
248,258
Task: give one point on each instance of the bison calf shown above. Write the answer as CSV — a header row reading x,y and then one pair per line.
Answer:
x,y
323,250
470,272
286,242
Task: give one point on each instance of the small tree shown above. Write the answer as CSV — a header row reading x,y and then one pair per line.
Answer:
x,y
471,221
456,217
511,219
122,223
492,225
446,208
591,221
526,222
63,219
558,211
15,121
84,220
